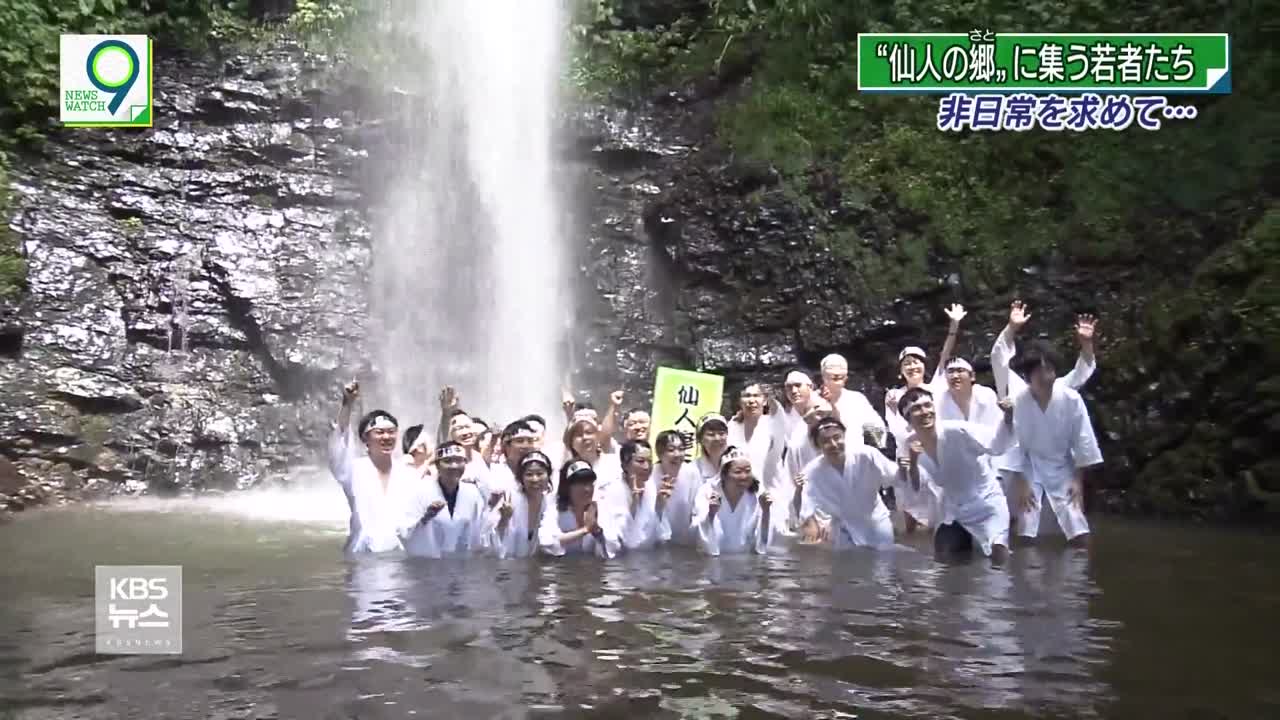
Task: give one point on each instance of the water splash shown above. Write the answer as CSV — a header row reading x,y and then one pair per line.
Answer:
x,y
468,274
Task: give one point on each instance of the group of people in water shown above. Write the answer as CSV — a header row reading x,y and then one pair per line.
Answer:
x,y
969,463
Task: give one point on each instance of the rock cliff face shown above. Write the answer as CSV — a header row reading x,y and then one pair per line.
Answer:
x,y
196,292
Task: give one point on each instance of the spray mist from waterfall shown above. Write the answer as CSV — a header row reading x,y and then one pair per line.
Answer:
x,y
467,284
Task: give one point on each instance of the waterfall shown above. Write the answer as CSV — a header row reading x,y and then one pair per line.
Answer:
x,y
468,279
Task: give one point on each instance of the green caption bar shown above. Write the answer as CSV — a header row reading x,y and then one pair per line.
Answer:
x,y
987,62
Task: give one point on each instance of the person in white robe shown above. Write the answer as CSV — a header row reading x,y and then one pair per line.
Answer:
x,y
812,525
845,482
851,407
582,439
665,513
800,397
952,454
713,440
417,448
759,430
1056,436
911,368
576,525
919,506
1010,385
636,458
521,514
449,517
731,515
375,487
517,440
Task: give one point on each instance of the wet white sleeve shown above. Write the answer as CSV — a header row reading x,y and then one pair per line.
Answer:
x,y
549,532
884,469
763,529
707,527
341,456
1008,384
1079,374
1084,445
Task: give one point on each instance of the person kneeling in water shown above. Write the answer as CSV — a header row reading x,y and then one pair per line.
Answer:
x,y
952,454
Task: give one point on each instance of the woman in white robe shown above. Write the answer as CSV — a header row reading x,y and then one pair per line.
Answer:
x,y
731,515
636,458
376,488
576,525
1057,440
952,453
670,492
521,514
713,440
846,483
612,497
760,431
448,517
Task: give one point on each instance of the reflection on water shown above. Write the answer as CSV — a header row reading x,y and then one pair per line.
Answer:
x,y
279,625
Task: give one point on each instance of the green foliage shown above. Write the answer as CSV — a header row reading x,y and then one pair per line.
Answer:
x,y
29,57
13,268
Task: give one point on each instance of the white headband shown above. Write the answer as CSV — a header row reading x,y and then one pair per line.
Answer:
x,y
523,433
911,350
795,377
450,451
382,422
960,363
732,455
833,361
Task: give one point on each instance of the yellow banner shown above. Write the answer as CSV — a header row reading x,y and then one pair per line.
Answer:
x,y
680,399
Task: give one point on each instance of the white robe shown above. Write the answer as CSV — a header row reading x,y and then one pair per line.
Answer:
x,y
1055,442
555,524
971,494
923,505
743,529
521,537
707,470
765,450
800,452
1010,384
376,515
464,531
898,425
675,524
851,496
855,411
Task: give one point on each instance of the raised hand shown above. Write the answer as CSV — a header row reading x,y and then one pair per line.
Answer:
x,y
448,398
800,480
350,392
505,510
616,397
955,313
495,497
765,501
1085,326
1019,314
590,519
713,504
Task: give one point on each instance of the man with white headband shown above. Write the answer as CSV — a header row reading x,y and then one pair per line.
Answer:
x,y
851,407
952,454
812,525
448,517
845,482
966,400
518,439
919,505
376,488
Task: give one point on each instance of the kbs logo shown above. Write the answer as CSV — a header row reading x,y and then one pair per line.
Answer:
x,y
138,609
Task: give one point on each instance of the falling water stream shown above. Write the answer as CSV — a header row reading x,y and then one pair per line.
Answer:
x,y
467,282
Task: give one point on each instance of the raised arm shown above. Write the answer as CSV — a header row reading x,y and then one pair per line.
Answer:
x,y
448,403
1086,363
955,314
609,424
341,443
1008,384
